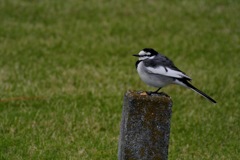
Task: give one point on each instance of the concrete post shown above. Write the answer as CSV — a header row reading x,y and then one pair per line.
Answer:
x,y
145,126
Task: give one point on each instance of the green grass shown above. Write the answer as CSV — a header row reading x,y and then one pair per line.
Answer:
x,y
65,65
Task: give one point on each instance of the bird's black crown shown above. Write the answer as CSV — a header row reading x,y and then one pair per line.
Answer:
x,y
150,50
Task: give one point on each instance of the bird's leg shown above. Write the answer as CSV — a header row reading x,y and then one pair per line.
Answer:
x,y
150,92
157,90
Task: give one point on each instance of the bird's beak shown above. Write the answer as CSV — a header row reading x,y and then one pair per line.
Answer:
x,y
136,55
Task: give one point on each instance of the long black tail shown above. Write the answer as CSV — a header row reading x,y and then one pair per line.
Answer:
x,y
198,91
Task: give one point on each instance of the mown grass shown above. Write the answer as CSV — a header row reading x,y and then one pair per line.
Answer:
x,y
64,67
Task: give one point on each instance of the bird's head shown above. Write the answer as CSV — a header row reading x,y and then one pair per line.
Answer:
x,y
146,53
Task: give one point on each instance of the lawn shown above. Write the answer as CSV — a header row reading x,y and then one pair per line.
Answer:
x,y
65,66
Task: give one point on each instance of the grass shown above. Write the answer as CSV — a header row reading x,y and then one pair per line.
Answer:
x,y
65,66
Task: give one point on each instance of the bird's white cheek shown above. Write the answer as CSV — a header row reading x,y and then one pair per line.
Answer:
x,y
140,58
152,57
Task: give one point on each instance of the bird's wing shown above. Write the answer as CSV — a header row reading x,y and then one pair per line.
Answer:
x,y
161,65
166,71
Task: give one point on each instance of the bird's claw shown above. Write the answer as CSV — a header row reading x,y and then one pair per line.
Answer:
x,y
151,93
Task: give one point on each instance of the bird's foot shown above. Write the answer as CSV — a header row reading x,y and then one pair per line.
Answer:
x,y
154,92
151,92
161,93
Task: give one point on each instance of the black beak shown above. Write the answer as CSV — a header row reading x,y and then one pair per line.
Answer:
x,y
136,55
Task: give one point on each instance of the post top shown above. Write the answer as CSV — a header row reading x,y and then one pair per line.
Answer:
x,y
142,95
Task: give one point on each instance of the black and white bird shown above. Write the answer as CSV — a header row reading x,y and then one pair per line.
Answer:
x,y
158,71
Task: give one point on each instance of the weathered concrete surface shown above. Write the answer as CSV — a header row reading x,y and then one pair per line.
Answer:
x,y
145,126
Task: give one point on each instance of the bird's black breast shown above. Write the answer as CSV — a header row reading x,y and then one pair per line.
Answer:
x,y
136,64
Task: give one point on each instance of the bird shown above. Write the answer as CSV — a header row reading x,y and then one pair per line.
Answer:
x,y
158,71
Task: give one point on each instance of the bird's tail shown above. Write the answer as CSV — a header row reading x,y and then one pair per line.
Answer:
x,y
187,84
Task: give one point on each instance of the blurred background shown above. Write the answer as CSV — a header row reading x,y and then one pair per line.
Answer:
x,y
65,66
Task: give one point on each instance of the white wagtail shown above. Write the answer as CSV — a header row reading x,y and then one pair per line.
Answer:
x,y
158,71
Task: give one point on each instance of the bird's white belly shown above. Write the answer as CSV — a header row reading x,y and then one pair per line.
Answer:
x,y
152,79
